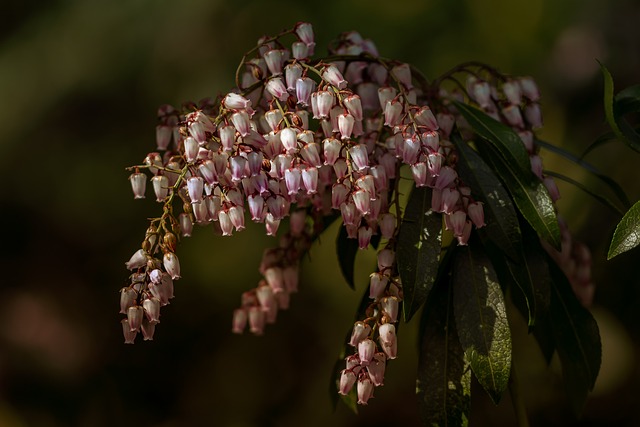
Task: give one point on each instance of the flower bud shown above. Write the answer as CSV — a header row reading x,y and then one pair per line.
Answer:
x,y
134,316
365,390
376,368
366,349
304,87
476,214
172,265
359,333
347,380
359,156
334,77
129,335
151,308
137,260
127,299
377,285
256,320
195,187
388,340
277,89
390,306
138,184
148,329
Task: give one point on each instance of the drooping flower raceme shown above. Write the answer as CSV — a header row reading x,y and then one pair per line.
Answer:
x,y
302,140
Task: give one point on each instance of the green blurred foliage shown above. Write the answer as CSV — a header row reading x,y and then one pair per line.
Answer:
x,y
80,82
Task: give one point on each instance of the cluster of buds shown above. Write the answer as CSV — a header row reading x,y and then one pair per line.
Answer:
x,y
366,366
305,139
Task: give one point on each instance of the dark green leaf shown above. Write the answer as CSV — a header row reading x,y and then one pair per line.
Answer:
x,y
627,101
501,136
500,215
418,249
602,199
530,196
481,320
613,186
603,139
577,340
627,234
614,121
347,249
443,383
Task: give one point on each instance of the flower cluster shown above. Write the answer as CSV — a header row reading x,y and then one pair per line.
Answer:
x,y
303,140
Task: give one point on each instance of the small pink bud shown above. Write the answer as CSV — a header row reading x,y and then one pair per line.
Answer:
x,y
138,184
275,86
332,149
311,154
390,306
359,333
529,88
364,236
359,156
362,201
402,73
148,329
349,214
366,349
340,168
387,224
226,226
191,148
512,92
129,335
410,150
445,123
476,214
463,238
513,116
533,114
304,31
310,180
236,215
256,320
450,198
289,139
354,106
172,265
345,125
377,285
425,117
339,194
227,137
386,258
392,113
304,87
365,390
366,182
163,136
299,50
552,188
536,165
137,260
151,308
195,187
274,59
325,101
457,221
388,340
347,380
434,163
240,120
127,299
186,225
376,369
481,93
134,316
234,101
292,179
420,176
446,177
275,279
385,95
334,77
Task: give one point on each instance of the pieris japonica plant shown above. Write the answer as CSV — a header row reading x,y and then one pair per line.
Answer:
x,y
443,178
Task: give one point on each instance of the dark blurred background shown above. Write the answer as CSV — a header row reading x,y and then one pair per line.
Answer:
x,y
80,82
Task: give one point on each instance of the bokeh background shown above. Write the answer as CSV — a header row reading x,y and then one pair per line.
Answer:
x,y
80,82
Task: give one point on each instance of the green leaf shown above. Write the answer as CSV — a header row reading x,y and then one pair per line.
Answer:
x,y
627,101
604,200
501,136
481,320
603,139
577,340
530,196
347,249
418,249
613,186
500,215
627,234
629,137
443,383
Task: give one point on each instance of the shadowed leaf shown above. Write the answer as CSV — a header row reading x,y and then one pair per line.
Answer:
x,y
418,249
347,249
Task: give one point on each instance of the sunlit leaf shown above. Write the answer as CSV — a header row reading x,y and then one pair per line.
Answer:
x,y
418,249
481,320
577,340
443,383
347,249
627,234
500,215
501,136
530,196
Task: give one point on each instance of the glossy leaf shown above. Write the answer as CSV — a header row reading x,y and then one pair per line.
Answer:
x,y
613,186
627,234
443,383
499,213
347,249
501,136
418,249
530,196
577,340
481,320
